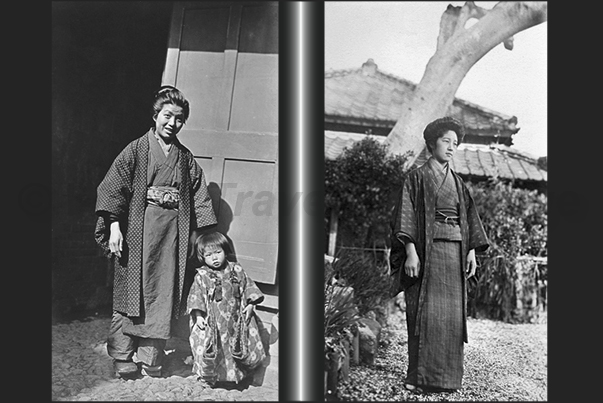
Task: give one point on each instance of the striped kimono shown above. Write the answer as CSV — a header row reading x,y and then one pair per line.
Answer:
x,y
436,305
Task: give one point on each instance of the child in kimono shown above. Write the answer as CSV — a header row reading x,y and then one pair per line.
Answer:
x,y
221,291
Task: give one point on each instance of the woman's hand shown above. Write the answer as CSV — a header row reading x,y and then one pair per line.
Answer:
x,y
471,263
116,239
248,311
412,262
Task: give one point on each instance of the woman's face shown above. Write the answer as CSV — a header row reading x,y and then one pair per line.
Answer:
x,y
169,121
445,147
214,257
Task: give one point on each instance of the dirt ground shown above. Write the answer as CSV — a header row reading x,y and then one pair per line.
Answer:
x,y
503,362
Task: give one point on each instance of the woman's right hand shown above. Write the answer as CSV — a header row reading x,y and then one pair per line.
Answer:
x,y
116,239
412,264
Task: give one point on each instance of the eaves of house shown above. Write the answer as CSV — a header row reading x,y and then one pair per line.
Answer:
x,y
366,100
472,161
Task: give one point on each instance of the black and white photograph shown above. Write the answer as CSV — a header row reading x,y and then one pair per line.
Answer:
x,y
192,187
435,142
165,200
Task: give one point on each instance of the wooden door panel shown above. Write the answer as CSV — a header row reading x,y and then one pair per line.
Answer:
x,y
259,29
205,29
205,80
248,188
256,257
256,78
248,193
239,145
205,163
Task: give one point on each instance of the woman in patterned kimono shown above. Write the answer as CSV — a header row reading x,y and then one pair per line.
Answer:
x,y
437,223
220,292
150,200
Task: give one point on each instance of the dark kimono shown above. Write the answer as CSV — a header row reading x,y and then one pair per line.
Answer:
x,y
158,199
212,293
436,305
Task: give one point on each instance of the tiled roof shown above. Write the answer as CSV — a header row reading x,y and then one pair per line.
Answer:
x,y
369,97
476,160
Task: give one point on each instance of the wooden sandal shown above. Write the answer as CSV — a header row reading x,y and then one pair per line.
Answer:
x,y
413,388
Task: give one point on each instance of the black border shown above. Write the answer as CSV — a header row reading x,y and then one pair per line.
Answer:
x,y
27,217
573,205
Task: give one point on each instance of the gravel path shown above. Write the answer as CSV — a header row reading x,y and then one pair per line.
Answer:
x,y
82,370
503,362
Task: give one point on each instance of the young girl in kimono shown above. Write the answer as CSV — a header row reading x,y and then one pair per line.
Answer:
x,y
221,291
439,231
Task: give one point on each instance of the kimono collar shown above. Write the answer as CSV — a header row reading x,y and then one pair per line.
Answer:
x,y
165,147
439,173
437,167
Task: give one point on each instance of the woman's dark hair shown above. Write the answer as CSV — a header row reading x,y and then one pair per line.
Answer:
x,y
170,95
209,241
438,127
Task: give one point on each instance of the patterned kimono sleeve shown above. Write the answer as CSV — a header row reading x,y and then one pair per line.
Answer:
x,y
478,239
251,292
115,190
405,221
197,295
204,214
113,195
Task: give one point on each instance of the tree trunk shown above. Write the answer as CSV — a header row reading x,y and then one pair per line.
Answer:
x,y
458,50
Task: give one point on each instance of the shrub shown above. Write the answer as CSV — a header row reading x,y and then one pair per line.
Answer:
x,y
369,280
341,312
514,218
353,286
359,183
340,316
516,223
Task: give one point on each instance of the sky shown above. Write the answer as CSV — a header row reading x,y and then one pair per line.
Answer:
x,y
401,37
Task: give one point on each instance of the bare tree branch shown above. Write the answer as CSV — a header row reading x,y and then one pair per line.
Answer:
x,y
458,49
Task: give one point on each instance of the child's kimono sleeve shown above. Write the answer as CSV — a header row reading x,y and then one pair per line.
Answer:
x,y
197,297
251,293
